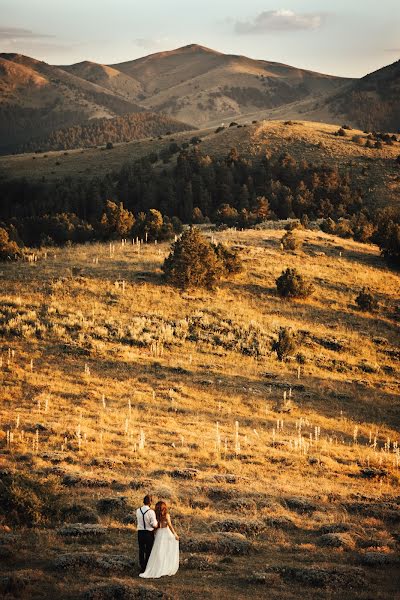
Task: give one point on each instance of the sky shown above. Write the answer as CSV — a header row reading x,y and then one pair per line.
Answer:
x,y
341,37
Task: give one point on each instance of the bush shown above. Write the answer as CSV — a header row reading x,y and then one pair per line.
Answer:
x,y
192,262
230,260
341,132
290,242
366,301
285,345
357,139
290,284
109,146
24,500
9,250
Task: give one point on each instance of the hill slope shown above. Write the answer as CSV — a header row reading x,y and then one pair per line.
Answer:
x,y
107,77
114,393
373,102
198,85
375,171
37,97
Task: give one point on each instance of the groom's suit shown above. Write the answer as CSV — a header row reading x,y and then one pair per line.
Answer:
x,y
146,523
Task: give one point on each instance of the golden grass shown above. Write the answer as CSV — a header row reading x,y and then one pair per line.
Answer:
x,y
90,373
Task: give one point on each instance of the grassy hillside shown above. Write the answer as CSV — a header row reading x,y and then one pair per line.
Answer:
x,y
112,390
37,98
376,171
200,85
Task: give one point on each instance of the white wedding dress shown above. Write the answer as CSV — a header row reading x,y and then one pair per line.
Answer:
x,y
164,557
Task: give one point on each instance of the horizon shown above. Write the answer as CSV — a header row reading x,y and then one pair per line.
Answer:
x,y
298,34
169,50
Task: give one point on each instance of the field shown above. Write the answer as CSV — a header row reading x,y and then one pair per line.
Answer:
x,y
282,477
374,171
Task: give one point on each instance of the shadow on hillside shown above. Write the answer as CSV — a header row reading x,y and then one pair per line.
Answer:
x,y
357,401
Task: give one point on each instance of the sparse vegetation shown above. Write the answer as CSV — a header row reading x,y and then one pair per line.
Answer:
x,y
366,301
290,284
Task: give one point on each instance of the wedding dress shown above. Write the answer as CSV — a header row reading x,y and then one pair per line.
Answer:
x,y
164,557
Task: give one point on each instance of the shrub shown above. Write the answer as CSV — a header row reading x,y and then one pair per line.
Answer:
x,y
192,262
366,301
9,249
285,345
290,284
290,242
357,139
24,500
230,260
109,146
116,220
341,132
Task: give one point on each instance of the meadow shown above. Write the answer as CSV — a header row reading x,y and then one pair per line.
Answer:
x,y
282,477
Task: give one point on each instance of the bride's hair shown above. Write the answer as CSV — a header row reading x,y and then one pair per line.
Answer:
x,y
161,511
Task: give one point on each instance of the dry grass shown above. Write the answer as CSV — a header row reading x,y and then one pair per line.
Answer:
x,y
375,171
118,392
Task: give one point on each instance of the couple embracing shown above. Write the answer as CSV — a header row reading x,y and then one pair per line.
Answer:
x,y
158,541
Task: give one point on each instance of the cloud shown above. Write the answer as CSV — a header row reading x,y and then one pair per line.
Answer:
x,y
150,43
17,33
279,20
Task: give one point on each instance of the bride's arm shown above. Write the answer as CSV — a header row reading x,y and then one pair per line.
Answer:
x,y
171,528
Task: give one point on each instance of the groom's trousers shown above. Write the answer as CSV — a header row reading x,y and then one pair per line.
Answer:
x,y
146,541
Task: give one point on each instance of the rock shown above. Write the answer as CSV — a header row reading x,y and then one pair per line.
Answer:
x,y
336,540
82,530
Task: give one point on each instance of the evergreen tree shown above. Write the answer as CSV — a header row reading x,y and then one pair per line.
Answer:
x,y
192,262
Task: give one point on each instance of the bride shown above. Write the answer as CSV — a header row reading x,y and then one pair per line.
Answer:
x,y
164,557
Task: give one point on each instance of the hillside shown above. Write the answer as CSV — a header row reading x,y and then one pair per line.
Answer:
x,y
111,391
37,97
373,101
97,132
374,170
107,77
192,84
199,85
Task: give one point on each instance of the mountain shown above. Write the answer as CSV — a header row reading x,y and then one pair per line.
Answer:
x,y
199,85
108,78
38,98
373,102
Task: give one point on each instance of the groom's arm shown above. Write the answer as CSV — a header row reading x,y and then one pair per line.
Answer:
x,y
152,519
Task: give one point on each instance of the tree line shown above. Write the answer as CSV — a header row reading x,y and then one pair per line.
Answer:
x,y
233,191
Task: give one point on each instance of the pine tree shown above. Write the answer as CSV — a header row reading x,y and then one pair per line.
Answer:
x,y
192,262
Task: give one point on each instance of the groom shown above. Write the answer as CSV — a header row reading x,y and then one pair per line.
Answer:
x,y
146,523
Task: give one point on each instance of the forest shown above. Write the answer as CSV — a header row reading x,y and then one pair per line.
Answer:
x,y
233,191
102,131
